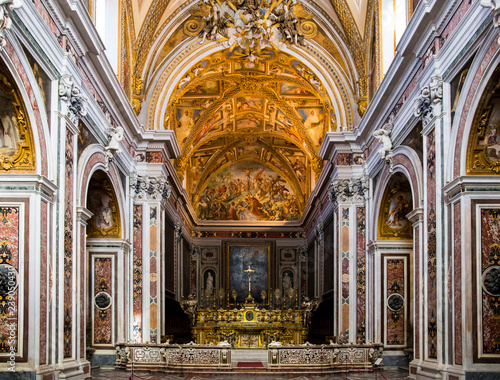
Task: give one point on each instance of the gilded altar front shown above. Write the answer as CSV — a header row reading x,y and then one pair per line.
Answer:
x,y
249,327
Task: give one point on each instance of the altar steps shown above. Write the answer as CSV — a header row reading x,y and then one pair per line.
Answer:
x,y
249,360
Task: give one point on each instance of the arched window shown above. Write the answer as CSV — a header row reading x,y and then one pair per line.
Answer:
x,y
107,15
394,20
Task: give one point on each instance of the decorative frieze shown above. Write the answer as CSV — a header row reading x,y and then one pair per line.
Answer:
x,y
348,190
428,104
6,7
149,188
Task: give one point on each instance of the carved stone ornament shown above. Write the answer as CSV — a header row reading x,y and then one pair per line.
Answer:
x,y
495,10
150,188
428,104
384,136
77,102
395,302
8,279
491,281
7,6
348,190
102,300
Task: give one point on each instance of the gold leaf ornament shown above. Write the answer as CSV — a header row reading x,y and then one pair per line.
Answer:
x,y
308,28
193,27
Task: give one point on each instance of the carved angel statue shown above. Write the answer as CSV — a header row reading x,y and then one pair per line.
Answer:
x,y
189,307
308,307
384,136
116,135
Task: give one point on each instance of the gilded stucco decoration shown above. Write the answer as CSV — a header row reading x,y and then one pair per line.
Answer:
x,y
253,30
396,204
483,151
256,126
17,152
102,202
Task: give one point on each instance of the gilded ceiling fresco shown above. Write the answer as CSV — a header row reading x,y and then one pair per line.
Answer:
x,y
267,116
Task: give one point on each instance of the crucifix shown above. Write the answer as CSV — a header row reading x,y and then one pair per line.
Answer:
x,y
249,271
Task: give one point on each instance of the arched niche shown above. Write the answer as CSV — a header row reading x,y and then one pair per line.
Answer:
x,y
396,203
483,149
17,151
102,202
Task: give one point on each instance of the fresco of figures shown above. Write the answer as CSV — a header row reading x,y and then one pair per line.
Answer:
x,y
247,191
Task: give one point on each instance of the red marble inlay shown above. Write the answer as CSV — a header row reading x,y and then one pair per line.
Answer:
x,y
490,259
103,283
396,321
418,284
431,247
43,283
9,260
361,276
154,157
457,256
137,277
68,247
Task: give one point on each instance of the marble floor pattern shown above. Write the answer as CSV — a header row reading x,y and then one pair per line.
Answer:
x,y
389,374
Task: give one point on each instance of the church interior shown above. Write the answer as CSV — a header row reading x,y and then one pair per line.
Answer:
x,y
315,184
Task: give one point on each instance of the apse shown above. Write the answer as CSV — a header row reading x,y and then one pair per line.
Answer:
x,y
258,125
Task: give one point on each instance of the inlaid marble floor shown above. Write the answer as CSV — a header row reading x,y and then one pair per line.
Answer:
x,y
389,374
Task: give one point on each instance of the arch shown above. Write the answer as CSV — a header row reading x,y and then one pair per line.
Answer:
x,y
92,160
483,67
30,96
406,162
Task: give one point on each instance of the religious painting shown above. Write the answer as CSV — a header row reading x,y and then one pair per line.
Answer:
x,y
314,123
396,204
248,150
483,152
186,119
247,65
249,122
248,262
293,89
208,128
456,88
102,202
205,88
247,191
246,103
16,147
282,118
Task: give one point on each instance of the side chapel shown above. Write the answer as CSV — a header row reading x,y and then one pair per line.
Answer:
x,y
318,181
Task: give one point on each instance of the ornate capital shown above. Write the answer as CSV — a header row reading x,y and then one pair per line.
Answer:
x,y
349,190
7,6
428,104
72,95
144,187
495,10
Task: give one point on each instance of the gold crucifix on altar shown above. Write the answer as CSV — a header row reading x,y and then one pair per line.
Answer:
x,y
249,271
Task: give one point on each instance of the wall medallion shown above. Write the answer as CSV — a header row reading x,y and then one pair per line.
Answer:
x,y
395,302
102,300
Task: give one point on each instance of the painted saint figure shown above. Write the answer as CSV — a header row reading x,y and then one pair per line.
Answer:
x,y
398,212
184,126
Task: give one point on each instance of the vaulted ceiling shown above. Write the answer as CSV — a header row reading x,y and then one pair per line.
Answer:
x,y
249,127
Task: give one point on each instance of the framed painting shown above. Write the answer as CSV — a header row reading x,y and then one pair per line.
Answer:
x,y
239,258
